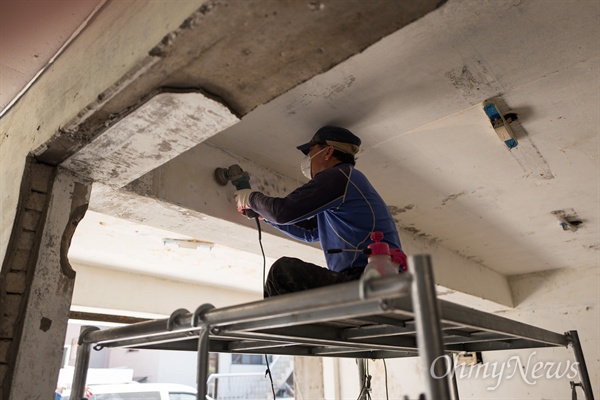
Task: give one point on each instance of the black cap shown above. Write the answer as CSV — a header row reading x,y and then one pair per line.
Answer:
x,y
340,138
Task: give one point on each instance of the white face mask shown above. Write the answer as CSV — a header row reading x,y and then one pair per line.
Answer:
x,y
305,165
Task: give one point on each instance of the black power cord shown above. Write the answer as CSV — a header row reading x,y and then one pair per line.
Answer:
x,y
262,250
268,371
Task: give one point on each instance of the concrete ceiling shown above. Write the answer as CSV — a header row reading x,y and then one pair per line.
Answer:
x,y
415,98
32,34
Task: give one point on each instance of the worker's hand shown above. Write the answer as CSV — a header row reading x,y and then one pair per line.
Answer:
x,y
242,199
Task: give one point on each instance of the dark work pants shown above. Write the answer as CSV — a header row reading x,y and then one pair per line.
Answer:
x,y
288,275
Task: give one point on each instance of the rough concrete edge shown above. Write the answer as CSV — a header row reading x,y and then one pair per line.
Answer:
x,y
42,287
71,128
79,206
25,190
161,49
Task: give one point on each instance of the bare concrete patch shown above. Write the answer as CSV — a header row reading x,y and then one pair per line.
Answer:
x,y
474,81
162,128
394,210
453,197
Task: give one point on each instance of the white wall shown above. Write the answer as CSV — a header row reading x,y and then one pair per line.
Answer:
x,y
122,291
98,359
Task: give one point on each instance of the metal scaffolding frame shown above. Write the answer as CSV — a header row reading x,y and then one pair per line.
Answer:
x,y
388,317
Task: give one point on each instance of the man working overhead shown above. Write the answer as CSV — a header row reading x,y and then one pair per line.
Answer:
x,y
338,207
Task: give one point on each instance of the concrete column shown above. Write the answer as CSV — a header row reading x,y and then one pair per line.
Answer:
x,y
37,281
331,378
308,375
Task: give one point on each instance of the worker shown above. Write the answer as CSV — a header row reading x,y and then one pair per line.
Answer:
x,y
338,207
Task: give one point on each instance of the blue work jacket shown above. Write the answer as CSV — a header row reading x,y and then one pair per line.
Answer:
x,y
338,207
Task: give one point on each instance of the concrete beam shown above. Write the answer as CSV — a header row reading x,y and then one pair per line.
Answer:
x,y
183,196
165,126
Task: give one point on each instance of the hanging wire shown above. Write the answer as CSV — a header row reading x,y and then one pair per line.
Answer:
x,y
268,371
365,392
387,395
368,380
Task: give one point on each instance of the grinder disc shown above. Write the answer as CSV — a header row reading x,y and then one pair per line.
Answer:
x,y
221,176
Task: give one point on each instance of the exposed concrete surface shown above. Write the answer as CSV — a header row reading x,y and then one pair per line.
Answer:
x,y
19,266
44,320
100,72
309,378
430,150
136,145
202,208
119,245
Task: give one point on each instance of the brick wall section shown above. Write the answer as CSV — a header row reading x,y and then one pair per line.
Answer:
x,y
19,263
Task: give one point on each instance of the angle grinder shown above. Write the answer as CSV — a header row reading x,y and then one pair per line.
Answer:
x,y
239,178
